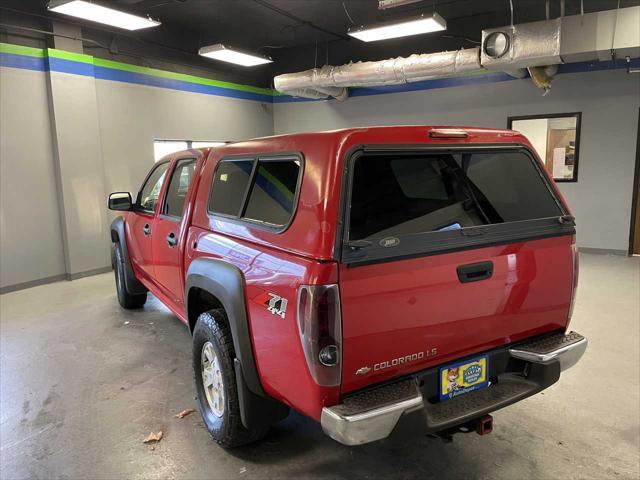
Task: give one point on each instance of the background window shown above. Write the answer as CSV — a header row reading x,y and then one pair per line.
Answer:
x,y
206,144
556,139
166,147
178,187
151,189
229,186
273,192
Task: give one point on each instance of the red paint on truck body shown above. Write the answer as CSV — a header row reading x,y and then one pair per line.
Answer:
x,y
389,310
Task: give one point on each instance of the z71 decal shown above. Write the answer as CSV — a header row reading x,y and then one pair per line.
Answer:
x,y
276,304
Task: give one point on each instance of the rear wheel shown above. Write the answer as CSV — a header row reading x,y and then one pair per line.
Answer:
x,y
215,380
125,299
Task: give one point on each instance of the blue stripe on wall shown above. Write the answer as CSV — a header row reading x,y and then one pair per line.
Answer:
x,y
579,67
594,66
287,99
69,66
431,84
86,69
22,61
78,68
105,73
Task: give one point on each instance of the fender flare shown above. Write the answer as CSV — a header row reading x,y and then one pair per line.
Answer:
x,y
226,282
118,236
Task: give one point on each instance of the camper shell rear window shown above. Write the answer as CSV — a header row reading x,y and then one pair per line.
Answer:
x,y
412,202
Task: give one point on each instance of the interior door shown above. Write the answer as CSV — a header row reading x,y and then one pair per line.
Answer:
x,y
140,221
169,231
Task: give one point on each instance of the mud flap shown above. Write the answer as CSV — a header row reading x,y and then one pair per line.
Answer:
x,y
256,411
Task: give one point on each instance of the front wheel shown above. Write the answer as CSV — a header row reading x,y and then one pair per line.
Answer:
x,y
215,380
126,300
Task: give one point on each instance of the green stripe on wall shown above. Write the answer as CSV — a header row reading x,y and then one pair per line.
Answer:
x,y
101,62
74,57
20,50
276,183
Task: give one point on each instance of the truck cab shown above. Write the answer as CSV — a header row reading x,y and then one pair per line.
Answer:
x,y
363,277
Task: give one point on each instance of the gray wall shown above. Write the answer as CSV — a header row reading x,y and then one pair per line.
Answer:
x,y
609,102
78,158
131,116
30,233
67,140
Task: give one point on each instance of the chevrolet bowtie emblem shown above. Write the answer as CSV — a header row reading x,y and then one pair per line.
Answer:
x,y
363,371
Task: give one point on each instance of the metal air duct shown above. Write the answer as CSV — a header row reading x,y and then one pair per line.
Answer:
x,y
510,49
394,71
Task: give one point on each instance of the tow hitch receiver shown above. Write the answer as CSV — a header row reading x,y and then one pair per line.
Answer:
x,y
485,425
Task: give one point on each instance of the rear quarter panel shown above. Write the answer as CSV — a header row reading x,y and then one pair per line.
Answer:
x,y
276,345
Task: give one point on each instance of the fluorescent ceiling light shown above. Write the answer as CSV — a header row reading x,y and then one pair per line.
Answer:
x,y
98,13
403,28
224,54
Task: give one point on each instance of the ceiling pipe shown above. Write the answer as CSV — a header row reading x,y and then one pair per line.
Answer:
x,y
393,71
523,48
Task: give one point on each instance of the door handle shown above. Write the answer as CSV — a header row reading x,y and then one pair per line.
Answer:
x,y
172,240
475,272
146,230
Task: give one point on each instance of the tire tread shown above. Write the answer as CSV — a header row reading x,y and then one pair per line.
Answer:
x,y
233,434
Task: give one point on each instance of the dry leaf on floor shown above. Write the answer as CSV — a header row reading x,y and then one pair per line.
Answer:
x,y
153,437
184,413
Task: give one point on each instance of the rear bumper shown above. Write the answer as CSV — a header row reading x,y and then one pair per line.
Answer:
x,y
373,414
566,350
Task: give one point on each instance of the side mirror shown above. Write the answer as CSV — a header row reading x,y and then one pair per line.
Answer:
x,y
120,201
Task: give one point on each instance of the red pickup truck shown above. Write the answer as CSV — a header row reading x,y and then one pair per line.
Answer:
x,y
367,278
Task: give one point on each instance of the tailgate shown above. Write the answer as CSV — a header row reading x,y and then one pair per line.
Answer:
x,y
401,317
448,251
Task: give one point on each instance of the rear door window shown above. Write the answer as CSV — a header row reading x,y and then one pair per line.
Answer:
x,y
178,187
415,199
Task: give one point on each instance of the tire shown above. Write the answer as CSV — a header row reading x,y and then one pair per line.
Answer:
x,y
126,300
221,413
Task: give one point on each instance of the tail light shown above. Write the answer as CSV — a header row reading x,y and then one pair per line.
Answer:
x,y
320,329
576,268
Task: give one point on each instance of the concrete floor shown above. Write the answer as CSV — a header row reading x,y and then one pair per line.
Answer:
x,y
83,382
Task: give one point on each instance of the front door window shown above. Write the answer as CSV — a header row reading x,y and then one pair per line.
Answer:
x,y
150,192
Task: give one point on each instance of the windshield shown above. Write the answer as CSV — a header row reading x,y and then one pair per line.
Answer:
x,y
396,194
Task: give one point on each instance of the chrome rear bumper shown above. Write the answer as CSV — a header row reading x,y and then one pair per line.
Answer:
x,y
373,414
566,349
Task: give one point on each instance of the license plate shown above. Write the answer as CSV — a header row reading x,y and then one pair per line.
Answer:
x,y
463,377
